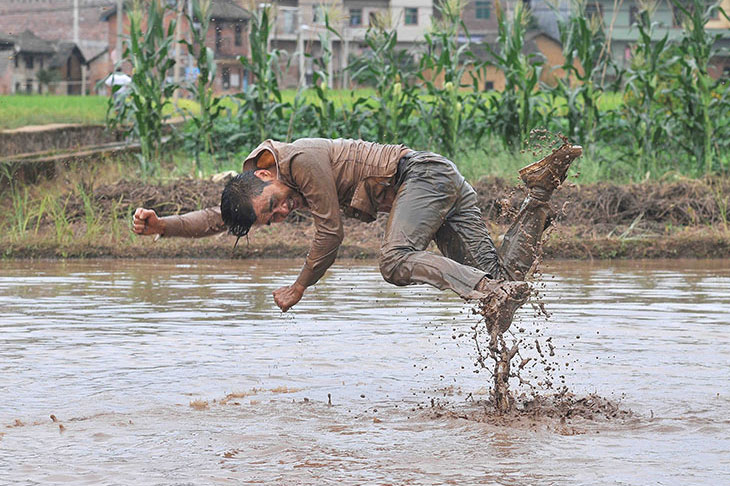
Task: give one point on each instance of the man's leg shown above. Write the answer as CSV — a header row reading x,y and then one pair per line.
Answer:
x,y
520,245
521,242
426,198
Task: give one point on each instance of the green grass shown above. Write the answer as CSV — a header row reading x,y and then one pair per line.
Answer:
x,y
21,110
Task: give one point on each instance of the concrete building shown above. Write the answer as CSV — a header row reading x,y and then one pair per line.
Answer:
x,y
620,27
300,24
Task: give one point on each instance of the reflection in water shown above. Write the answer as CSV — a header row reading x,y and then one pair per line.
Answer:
x,y
117,351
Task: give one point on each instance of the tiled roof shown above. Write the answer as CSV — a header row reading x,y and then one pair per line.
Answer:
x,y
29,42
63,52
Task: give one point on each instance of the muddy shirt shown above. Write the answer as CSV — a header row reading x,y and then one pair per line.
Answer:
x,y
354,175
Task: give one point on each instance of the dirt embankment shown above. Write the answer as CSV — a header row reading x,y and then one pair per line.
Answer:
x,y
686,218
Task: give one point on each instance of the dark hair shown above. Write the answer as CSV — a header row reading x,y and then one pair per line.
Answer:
x,y
236,208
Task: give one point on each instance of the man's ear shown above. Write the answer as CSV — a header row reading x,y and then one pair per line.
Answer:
x,y
264,175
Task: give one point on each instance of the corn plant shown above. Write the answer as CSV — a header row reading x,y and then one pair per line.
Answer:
x,y
704,101
147,50
516,109
584,50
200,131
643,116
261,112
444,70
392,72
325,109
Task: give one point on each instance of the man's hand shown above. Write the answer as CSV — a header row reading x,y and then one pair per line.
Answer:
x,y
146,222
287,297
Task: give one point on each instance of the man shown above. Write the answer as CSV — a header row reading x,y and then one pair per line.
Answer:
x,y
425,195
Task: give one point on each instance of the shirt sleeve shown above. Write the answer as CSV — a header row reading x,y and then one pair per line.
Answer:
x,y
195,224
312,173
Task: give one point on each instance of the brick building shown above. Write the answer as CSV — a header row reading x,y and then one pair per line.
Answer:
x,y
54,19
227,37
30,64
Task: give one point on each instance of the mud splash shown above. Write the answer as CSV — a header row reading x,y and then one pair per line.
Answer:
x,y
495,348
563,413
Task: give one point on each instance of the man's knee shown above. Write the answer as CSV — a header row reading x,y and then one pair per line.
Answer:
x,y
392,266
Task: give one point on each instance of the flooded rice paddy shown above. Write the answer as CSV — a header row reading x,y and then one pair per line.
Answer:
x,y
161,372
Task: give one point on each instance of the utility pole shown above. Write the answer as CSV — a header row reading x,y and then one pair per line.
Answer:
x,y
120,14
345,59
329,63
76,22
192,26
300,48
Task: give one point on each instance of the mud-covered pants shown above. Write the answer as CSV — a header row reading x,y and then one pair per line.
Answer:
x,y
434,202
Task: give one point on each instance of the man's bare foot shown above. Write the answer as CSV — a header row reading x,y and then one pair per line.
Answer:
x,y
501,300
543,176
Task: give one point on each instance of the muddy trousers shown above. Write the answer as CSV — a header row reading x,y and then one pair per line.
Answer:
x,y
435,203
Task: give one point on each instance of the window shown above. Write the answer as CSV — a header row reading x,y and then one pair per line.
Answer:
x,y
484,9
677,16
237,39
226,78
355,17
411,16
633,15
289,22
594,10
318,14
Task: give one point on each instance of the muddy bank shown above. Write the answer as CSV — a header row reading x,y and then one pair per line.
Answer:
x,y
53,137
686,218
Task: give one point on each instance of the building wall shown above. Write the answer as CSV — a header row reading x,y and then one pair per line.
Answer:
x,y
6,71
221,38
53,19
480,25
24,75
97,71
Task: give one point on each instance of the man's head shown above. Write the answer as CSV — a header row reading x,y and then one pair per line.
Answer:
x,y
256,197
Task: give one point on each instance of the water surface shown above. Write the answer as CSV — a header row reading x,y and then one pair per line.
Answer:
x,y
118,350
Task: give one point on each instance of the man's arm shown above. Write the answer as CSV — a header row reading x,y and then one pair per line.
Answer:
x,y
195,224
312,173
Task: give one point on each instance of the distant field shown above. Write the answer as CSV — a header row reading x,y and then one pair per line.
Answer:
x,y
21,110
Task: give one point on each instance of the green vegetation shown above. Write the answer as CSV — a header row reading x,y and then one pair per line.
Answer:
x,y
662,116
21,110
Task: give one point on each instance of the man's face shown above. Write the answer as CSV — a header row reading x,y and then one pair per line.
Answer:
x,y
275,203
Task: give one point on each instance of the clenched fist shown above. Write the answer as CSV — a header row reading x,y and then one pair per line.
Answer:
x,y
146,222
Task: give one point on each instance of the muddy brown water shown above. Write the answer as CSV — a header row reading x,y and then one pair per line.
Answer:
x,y
170,372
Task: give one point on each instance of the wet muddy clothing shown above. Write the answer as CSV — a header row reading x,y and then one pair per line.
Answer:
x,y
428,200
